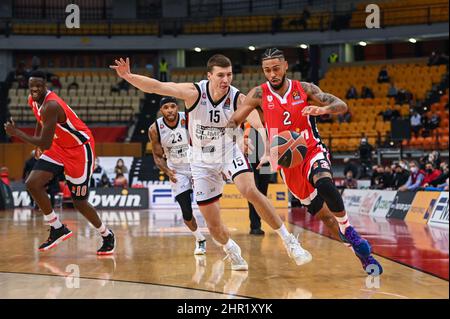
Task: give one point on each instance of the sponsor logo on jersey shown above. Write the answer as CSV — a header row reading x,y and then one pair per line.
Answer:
x,y
295,95
161,126
227,104
204,95
269,98
183,122
297,102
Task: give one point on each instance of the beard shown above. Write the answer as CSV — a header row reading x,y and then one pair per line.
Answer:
x,y
277,87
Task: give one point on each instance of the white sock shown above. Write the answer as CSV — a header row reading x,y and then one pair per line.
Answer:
x,y
343,222
103,231
230,243
198,235
53,220
283,232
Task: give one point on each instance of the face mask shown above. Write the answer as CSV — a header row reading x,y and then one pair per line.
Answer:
x,y
414,169
429,171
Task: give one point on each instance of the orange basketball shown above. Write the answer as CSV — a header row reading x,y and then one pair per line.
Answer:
x,y
288,148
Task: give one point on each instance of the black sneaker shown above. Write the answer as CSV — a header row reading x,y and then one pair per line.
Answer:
x,y
109,243
56,237
257,231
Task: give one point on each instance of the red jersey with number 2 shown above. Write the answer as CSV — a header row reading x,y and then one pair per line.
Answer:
x,y
284,113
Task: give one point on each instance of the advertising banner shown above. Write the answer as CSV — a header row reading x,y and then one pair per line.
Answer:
x,y
439,216
422,207
382,203
401,205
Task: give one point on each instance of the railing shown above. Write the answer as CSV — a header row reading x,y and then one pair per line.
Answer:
x,y
319,21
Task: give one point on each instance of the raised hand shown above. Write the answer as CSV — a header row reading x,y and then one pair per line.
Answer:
x,y
122,67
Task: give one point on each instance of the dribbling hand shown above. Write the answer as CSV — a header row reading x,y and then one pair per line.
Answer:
x,y
122,67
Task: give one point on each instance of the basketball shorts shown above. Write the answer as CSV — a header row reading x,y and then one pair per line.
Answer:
x,y
299,179
183,184
209,179
77,164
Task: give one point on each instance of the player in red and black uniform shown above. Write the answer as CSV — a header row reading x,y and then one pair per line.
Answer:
x,y
292,105
68,147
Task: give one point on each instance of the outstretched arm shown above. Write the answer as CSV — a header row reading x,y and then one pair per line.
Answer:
x,y
184,91
43,140
158,153
245,107
323,103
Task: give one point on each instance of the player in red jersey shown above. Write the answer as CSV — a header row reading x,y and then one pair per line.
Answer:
x,y
68,146
292,105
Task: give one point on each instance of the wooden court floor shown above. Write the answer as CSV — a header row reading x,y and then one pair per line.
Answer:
x,y
154,259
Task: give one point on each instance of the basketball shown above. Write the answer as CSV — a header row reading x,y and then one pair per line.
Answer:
x,y
289,148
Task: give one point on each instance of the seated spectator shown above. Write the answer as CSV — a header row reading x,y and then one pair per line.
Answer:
x,y
392,92
403,97
120,181
104,182
277,24
351,93
73,86
383,76
54,80
441,178
367,93
120,167
346,117
400,177
4,175
122,85
388,178
97,174
303,20
434,121
416,123
389,114
431,173
378,178
350,181
415,179
350,166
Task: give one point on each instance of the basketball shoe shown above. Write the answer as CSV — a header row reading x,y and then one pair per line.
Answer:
x,y
57,236
234,255
109,243
370,265
200,247
295,251
360,245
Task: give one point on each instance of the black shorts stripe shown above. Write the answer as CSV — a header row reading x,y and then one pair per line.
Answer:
x,y
80,136
248,170
208,201
43,165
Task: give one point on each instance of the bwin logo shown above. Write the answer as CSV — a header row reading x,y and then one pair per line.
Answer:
x,y
114,200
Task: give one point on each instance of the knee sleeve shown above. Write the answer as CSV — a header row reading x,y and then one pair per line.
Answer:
x,y
185,202
330,194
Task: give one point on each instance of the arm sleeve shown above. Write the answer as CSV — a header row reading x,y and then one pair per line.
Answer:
x,y
417,183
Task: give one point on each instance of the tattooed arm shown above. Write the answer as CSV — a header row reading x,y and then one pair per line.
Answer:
x,y
323,103
250,103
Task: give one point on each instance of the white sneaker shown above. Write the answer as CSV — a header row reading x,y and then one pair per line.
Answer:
x,y
200,247
296,252
234,255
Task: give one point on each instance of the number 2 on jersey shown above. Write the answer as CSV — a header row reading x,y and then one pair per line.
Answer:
x,y
287,118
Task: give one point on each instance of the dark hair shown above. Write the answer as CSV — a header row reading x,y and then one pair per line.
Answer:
x,y
38,74
272,53
218,60
167,99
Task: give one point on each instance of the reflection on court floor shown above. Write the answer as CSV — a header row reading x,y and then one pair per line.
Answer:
x,y
154,259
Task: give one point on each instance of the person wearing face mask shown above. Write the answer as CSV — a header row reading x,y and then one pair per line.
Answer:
x,y
434,176
415,179
400,176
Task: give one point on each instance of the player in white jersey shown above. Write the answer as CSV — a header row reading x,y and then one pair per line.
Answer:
x,y
208,104
171,151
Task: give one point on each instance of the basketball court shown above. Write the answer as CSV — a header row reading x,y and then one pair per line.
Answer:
x,y
154,259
